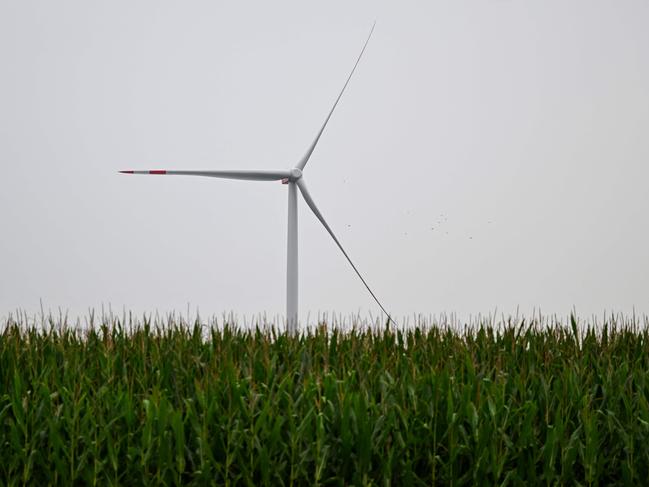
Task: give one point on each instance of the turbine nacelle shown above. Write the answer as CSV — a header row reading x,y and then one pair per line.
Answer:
x,y
294,175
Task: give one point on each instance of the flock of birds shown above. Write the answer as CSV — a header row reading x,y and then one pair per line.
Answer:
x,y
442,219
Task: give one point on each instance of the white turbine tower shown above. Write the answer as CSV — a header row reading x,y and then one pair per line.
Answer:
x,y
294,179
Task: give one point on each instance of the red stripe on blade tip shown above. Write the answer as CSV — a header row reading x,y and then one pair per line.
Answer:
x,y
126,172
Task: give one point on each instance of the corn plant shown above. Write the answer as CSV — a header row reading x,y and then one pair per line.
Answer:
x,y
171,403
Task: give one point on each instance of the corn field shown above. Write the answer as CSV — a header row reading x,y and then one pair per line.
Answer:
x,y
171,403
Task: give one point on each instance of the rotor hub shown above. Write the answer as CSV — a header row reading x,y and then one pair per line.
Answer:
x,y
296,173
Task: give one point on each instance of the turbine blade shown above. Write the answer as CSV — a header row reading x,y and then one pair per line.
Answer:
x,y
242,174
309,151
309,201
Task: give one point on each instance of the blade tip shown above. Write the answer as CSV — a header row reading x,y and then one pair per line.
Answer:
x,y
126,172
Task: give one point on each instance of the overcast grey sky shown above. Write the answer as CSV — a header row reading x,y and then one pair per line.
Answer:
x,y
487,154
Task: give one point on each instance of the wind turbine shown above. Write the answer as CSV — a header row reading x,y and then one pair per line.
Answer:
x,y
294,179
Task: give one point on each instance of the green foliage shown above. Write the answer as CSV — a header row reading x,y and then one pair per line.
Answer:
x,y
176,404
